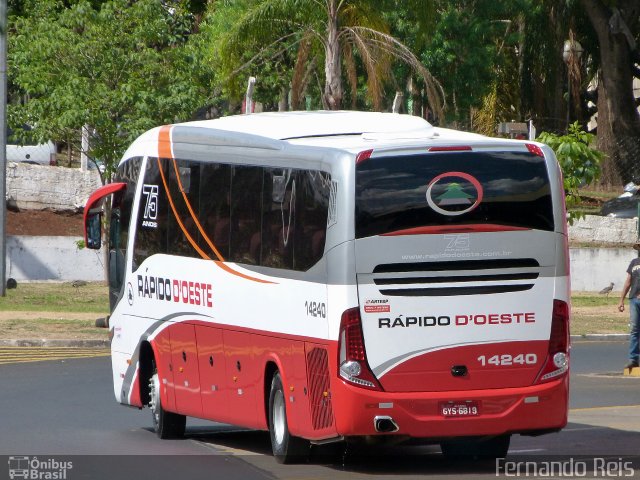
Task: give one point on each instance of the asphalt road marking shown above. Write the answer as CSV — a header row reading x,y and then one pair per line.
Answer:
x,y
592,409
9,355
225,450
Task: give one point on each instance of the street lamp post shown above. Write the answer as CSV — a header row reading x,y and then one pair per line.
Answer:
x,y
571,53
3,146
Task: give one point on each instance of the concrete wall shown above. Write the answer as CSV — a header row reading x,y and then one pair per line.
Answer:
x,y
40,187
51,258
598,229
592,269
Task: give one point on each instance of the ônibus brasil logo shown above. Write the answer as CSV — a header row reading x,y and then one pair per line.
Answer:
x,y
462,193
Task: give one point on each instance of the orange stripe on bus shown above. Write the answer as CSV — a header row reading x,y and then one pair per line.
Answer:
x,y
228,269
165,151
193,215
164,142
177,217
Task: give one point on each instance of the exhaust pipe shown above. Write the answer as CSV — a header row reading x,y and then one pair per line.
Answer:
x,y
385,424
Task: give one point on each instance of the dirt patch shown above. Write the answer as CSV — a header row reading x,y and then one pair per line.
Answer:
x,y
11,315
50,325
44,222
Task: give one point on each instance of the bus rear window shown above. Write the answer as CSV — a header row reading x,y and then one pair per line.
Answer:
x,y
509,189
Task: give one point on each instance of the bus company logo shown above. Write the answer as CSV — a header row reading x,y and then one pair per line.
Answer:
x,y
34,468
130,294
472,320
457,242
454,193
377,306
150,214
174,290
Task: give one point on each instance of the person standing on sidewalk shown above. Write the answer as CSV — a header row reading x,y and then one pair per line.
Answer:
x,y
632,287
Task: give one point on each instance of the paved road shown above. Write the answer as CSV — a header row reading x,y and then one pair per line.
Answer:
x,y
51,409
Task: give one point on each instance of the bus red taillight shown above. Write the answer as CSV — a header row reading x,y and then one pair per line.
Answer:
x,y
557,362
452,148
363,156
535,149
352,357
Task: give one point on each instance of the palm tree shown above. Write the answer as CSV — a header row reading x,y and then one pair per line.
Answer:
x,y
341,30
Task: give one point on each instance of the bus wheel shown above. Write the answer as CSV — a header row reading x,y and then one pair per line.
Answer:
x,y
496,447
165,424
286,448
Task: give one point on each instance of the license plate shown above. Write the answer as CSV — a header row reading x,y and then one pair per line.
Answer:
x,y
459,409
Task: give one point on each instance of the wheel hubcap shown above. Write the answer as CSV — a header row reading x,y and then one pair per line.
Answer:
x,y
279,418
154,396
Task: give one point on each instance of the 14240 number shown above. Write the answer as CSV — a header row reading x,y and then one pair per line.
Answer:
x,y
506,360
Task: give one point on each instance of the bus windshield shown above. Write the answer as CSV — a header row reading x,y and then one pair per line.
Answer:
x,y
400,193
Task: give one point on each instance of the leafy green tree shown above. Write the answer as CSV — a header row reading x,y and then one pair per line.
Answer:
x,y
334,33
473,47
579,161
120,67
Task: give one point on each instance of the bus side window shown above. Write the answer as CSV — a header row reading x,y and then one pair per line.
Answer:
x,y
151,231
279,218
246,219
312,210
184,189
215,195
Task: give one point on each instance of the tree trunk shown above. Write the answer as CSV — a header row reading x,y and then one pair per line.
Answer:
x,y
283,102
333,91
618,118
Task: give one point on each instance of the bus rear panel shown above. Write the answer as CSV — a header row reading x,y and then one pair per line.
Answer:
x,y
462,322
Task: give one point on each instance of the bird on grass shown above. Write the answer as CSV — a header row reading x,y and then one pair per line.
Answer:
x,y
607,290
78,283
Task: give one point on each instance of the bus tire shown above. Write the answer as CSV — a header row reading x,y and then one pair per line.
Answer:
x,y
165,424
286,448
485,449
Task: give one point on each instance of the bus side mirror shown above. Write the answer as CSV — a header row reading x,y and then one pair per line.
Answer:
x,y
94,231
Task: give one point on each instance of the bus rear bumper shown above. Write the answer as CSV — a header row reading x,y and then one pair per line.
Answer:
x,y
526,410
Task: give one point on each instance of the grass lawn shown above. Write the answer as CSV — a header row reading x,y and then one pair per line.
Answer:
x,y
53,311
57,297
594,313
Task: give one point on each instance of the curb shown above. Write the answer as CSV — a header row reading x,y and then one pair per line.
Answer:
x,y
602,337
55,343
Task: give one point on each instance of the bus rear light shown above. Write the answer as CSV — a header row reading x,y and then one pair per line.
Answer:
x,y
362,156
535,149
452,148
352,357
557,362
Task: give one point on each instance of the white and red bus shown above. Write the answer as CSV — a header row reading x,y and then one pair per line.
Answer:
x,y
334,276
